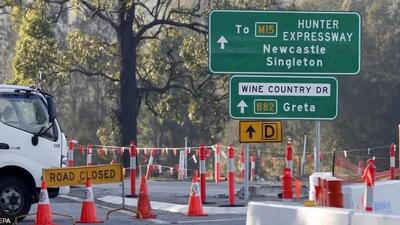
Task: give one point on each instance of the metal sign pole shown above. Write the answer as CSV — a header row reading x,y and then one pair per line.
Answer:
x,y
246,172
185,176
303,157
317,146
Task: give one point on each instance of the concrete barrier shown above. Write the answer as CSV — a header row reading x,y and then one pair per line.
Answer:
x,y
368,218
386,197
268,213
272,213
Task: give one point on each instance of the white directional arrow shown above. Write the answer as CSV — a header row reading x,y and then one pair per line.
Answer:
x,y
222,41
242,105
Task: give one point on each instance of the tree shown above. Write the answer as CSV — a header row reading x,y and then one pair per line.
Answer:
x,y
36,49
135,24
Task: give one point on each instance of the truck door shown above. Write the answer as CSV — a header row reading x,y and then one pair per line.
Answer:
x,y
22,115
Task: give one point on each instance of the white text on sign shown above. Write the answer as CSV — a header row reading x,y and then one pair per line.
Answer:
x,y
284,89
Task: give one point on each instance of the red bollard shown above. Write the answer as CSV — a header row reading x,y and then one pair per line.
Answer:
x,y
231,175
369,178
289,156
133,154
392,161
253,167
241,159
202,157
217,166
89,152
70,158
287,185
231,179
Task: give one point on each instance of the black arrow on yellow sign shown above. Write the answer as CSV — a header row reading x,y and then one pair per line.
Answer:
x,y
250,130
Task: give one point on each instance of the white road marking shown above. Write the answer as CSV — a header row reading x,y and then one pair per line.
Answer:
x,y
175,208
158,221
208,221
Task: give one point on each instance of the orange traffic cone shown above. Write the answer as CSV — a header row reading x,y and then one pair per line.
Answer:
x,y
43,215
144,207
195,206
297,185
88,213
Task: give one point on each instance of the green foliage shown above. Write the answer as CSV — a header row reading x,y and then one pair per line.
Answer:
x,y
36,49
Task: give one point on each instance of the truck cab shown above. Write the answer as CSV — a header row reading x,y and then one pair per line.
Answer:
x,y
30,140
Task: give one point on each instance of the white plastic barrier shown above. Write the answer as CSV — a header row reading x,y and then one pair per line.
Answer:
x,y
268,213
368,218
386,197
314,181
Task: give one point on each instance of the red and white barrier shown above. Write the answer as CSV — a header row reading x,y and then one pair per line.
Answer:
x,y
150,164
289,156
133,154
202,157
253,167
369,178
392,161
181,166
89,152
360,167
241,159
70,155
287,179
217,166
231,175
185,164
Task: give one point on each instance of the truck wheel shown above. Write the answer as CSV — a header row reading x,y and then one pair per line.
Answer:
x,y
14,197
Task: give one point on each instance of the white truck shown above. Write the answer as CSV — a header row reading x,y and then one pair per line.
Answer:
x,y
30,140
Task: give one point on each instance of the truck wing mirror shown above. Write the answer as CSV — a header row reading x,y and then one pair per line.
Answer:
x,y
51,108
4,146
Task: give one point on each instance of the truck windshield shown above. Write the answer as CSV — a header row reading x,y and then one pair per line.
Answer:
x,y
25,111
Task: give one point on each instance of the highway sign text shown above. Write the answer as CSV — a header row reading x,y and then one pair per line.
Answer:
x,y
277,97
284,42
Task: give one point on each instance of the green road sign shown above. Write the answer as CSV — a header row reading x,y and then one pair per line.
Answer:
x,y
277,97
284,42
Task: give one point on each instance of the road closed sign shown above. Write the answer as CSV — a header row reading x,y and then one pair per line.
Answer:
x,y
101,174
260,131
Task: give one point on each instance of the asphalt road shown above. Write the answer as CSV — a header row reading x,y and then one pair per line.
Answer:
x,y
73,208
174,192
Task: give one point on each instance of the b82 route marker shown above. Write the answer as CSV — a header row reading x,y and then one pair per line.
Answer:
x,y
284,42
278,97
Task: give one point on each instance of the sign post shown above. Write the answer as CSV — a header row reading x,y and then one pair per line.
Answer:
x,y
259,97
284,42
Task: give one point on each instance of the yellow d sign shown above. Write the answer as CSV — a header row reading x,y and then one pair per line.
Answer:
x,y
259,131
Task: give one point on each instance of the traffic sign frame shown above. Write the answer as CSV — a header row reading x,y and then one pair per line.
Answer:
x,y
266,73
255,123
272,98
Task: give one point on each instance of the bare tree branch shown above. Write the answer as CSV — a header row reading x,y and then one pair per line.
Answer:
x,y
99,13
91,73
198,27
